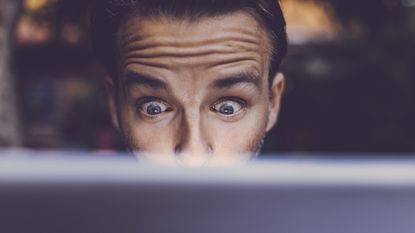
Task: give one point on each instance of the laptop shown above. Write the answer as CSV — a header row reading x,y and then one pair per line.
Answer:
x,y
55,192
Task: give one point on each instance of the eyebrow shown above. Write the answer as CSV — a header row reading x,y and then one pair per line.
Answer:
x,y
232,80
135,78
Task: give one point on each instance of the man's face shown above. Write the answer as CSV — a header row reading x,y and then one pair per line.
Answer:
x,y
193,88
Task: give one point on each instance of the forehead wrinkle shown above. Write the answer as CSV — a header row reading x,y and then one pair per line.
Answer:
x,y
180,53
207,61
150,63
147,38
149,41
154,43
218,51
246,65
197,50
150,47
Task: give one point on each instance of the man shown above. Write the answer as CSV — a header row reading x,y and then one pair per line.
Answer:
x,y
192,79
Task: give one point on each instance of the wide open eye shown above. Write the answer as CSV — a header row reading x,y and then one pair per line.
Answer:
x,y
228,107
153,107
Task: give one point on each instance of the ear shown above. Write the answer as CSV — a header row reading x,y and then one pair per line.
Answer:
x,y
277,89
112,103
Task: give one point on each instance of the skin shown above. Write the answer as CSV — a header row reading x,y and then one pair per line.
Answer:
x,y
195,92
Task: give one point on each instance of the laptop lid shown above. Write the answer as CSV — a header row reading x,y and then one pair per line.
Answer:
x,y
42,194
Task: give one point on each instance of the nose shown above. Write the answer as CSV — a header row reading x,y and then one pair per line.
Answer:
x,y
192,144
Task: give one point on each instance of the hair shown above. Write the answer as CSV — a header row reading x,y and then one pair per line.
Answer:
x,y
107,16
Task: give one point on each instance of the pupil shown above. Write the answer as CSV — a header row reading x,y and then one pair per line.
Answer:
x,y
153,109
227,109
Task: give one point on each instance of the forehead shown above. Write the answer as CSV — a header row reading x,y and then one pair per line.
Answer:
x,y
241,21
219,39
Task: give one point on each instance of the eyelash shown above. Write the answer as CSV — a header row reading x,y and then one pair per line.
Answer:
x,y
238,100
147,99
142,101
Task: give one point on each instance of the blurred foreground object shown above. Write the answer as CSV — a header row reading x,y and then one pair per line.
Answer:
x,y
9,130
85,194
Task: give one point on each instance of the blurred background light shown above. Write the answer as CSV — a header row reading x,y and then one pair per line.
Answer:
x,y
30,31
408,3
310,21
33,6
71,33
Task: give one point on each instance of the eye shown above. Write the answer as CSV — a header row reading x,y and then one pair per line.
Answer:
x,y
153,107
228,107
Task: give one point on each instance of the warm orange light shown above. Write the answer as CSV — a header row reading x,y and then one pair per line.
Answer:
x,y
28,31
36,5
310,21
71,33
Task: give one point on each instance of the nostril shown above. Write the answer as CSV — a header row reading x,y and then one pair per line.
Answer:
x,y
178,149
209,149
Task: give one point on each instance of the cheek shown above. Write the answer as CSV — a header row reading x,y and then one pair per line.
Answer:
x,y
142,136
242,136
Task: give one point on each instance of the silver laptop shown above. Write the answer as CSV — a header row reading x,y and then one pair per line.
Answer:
x,y
54,193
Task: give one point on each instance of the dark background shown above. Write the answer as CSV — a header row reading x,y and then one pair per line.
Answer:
x,y
351,94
